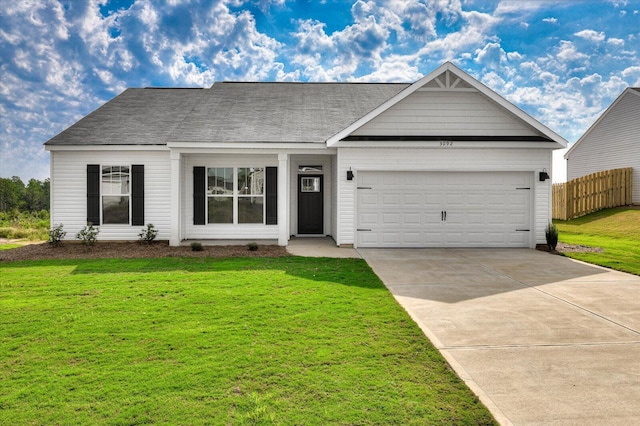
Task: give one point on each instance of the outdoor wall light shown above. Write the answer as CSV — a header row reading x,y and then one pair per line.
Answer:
x,y
544,175
349,174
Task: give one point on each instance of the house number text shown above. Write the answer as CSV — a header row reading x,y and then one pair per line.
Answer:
x,y
446,143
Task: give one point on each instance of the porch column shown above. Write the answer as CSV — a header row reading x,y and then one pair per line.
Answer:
x,y
283,199
176,178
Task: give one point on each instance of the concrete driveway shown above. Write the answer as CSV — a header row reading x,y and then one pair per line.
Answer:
x,y
541,339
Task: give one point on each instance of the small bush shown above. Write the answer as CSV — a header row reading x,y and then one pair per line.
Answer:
x,y
551,234
196,246
148,234
88,235
252,246
56,235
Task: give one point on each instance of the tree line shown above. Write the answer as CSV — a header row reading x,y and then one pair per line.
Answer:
x,y
15,195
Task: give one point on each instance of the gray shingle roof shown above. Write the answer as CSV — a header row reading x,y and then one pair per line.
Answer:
x,y
228,112
135,117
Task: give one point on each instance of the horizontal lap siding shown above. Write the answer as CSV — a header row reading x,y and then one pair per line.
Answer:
x,y
446,113
471,160
614,143
222,231
69,190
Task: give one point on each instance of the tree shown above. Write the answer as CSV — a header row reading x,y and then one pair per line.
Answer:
x,y
11,194
14,195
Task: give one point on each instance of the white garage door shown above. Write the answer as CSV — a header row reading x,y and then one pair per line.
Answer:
x,y
429,209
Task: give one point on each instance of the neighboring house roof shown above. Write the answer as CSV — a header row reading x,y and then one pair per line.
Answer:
x,y
228,112
135,117
633,91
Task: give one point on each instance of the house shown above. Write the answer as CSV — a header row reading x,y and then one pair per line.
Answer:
x,y
442,162
612,142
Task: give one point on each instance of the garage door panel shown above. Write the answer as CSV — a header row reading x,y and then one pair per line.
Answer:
x,y
405,209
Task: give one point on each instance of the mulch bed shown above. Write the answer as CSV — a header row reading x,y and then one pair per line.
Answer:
x,y
129,250
570,248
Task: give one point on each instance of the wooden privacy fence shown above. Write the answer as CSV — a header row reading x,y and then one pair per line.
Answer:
x,y
597,191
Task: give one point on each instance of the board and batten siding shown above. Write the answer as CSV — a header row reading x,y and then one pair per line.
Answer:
x,y
449,113
69,190
613,143
443,160
244,231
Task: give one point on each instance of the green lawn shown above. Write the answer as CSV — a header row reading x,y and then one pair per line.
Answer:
x,y
617,231
202,341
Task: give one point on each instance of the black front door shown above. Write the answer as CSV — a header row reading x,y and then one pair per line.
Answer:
x,y
310,205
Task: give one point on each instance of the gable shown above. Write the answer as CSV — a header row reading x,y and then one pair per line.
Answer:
x,y
436,111
448,104
614,133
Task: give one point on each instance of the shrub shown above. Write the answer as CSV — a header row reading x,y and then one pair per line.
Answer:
x,y
551,233
88,235
252,246
148,234
196,246
56,235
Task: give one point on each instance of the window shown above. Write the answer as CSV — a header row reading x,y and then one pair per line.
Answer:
x,y
220,194
235,195
115,194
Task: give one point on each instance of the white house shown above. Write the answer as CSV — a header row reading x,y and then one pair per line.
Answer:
x,y
612,142
442,162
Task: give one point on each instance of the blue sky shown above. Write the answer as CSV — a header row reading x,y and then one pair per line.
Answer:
x,y
563,62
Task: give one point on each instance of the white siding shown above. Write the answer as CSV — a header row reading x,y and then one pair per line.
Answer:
x,y
222,231
614,142
447,159
69,190
450,113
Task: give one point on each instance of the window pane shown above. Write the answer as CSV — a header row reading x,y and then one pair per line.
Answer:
x,y
115,180
250,180
115,210
220,209
250,209
220,181
310,184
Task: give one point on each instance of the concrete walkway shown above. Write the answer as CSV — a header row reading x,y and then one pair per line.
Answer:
x,y
319,247
541,339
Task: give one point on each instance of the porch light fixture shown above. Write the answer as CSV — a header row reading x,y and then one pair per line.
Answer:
x,y
544,175
349,174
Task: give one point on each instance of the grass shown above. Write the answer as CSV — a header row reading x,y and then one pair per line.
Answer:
x,y
9,246
32,226
201,341
617,231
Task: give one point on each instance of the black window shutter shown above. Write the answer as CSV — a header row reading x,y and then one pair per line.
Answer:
x,y
271,187
93,194
199,195
137,195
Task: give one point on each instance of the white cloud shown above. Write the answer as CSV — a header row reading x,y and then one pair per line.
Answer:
x,y
591,35
491,55
550,20
567,51
393,71
615,41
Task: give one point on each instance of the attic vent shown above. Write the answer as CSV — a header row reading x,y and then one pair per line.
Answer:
x,y
447,81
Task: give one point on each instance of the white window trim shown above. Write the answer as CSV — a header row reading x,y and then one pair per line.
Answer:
x,y
102,195
236,196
